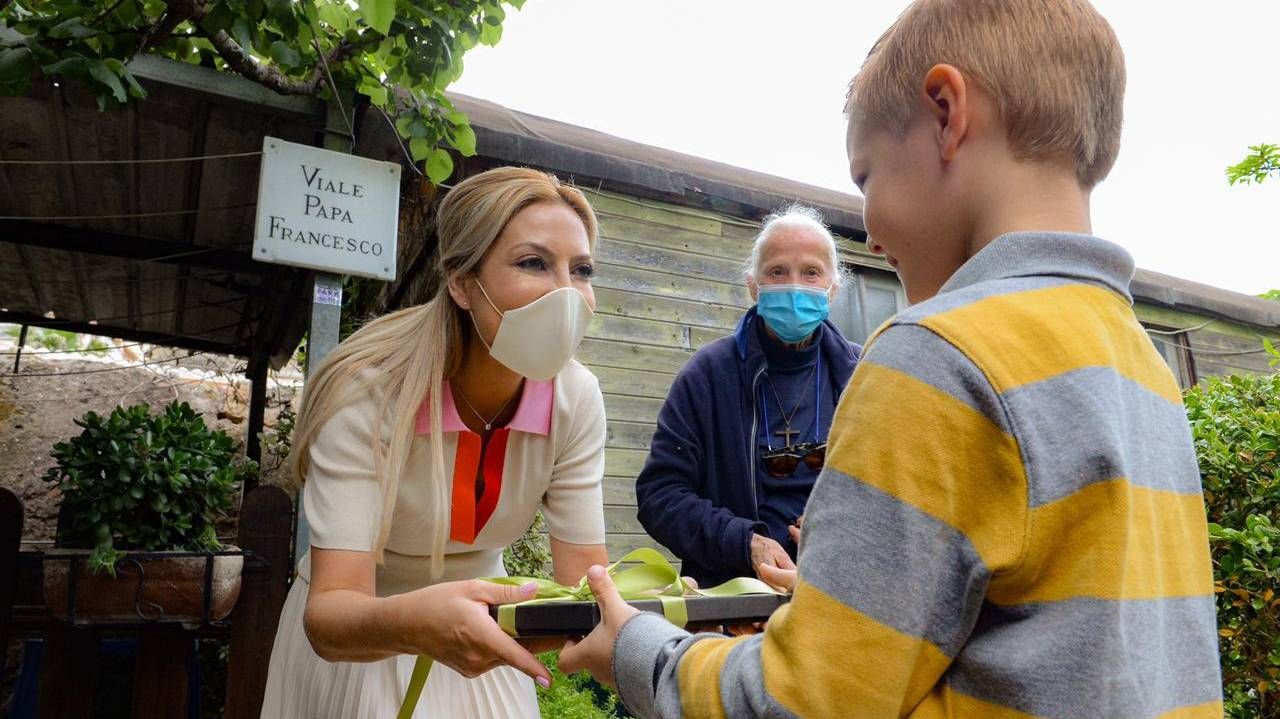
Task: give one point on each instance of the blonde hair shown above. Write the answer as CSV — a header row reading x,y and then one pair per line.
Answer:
x,y
1053,67
404,356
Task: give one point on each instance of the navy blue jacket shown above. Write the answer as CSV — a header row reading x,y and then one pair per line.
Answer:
x,y
697,494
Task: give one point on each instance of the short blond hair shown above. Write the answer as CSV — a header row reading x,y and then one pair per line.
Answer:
x,y
1053,67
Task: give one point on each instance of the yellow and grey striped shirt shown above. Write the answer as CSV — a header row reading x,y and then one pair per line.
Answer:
x,y
1010,523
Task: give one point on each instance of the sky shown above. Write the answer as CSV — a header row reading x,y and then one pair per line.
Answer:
x,y
761,85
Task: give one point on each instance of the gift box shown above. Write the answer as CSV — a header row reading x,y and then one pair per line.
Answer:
x,y
646,581
578,618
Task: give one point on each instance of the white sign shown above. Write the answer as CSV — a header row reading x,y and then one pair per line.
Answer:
x,y
327,210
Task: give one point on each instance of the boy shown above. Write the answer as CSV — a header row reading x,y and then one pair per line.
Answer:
x,y
1010,521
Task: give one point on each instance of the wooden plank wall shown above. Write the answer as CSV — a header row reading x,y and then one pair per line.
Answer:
x,y
1217,347
668,281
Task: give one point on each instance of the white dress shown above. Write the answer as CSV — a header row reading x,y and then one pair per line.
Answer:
x,y
553,459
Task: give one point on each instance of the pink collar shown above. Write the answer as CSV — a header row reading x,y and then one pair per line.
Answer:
x,y
532,416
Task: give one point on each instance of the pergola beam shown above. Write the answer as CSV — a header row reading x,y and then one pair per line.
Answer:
x,y
193,342
94,242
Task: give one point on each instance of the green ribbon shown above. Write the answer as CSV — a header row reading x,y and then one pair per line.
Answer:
x,y
652,577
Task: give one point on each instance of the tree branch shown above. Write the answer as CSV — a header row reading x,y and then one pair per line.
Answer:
x,y
238,59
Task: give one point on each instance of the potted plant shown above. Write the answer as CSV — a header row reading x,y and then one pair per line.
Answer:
x,y
135,484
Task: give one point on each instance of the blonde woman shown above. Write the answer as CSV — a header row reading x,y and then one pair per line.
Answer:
x,y
426,442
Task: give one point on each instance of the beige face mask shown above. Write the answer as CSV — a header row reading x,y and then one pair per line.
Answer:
x,y
537,340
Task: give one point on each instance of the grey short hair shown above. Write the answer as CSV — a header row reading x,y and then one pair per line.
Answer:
x,y
796,216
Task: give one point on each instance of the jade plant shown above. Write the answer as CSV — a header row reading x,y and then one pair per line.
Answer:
x,y
134,481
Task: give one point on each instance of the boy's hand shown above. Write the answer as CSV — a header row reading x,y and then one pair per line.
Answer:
x,y
595,652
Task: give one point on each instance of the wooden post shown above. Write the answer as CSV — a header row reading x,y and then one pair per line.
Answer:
x,y
257,374
160,674
265,529
69,671
10,540
17,356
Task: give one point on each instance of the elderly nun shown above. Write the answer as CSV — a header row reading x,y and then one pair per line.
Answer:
x,y
742,435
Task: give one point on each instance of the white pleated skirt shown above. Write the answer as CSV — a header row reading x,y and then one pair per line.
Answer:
x,y
301,685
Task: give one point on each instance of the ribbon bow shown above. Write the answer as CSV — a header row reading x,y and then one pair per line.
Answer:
x,y
653,577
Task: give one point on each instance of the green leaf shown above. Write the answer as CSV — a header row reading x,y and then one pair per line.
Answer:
x,y
419,148
378,14
135,90
464,139
376,91
335,16
16,65
310,12
402,125
439,165
218,16
280,9
104,75
71,29
468,38
73,67
242,31
490,35
285,55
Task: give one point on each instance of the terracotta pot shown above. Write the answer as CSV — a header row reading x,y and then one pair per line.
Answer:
x,y
172,588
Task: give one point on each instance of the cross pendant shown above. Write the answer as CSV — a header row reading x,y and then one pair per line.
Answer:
x,y
786,433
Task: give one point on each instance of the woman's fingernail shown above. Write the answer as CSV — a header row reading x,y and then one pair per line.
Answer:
x,y
595,572
544,682
529,588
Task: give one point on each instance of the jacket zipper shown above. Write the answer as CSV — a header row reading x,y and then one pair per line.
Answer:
x,y
752,445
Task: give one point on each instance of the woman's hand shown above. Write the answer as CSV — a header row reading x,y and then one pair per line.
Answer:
x,y
450,623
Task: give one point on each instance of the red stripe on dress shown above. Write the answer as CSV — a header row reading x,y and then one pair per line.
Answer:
x,y
462,516
495,458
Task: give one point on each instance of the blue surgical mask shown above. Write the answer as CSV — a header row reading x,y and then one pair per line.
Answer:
x,y
793,312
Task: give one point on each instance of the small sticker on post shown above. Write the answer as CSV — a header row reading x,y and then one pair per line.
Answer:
x,y
328,295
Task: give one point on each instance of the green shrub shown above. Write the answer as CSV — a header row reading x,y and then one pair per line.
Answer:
x,y
569,697
133,481
1236,424
529,556
575,696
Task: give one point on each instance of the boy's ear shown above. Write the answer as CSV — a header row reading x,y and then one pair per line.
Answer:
x,y
948,104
